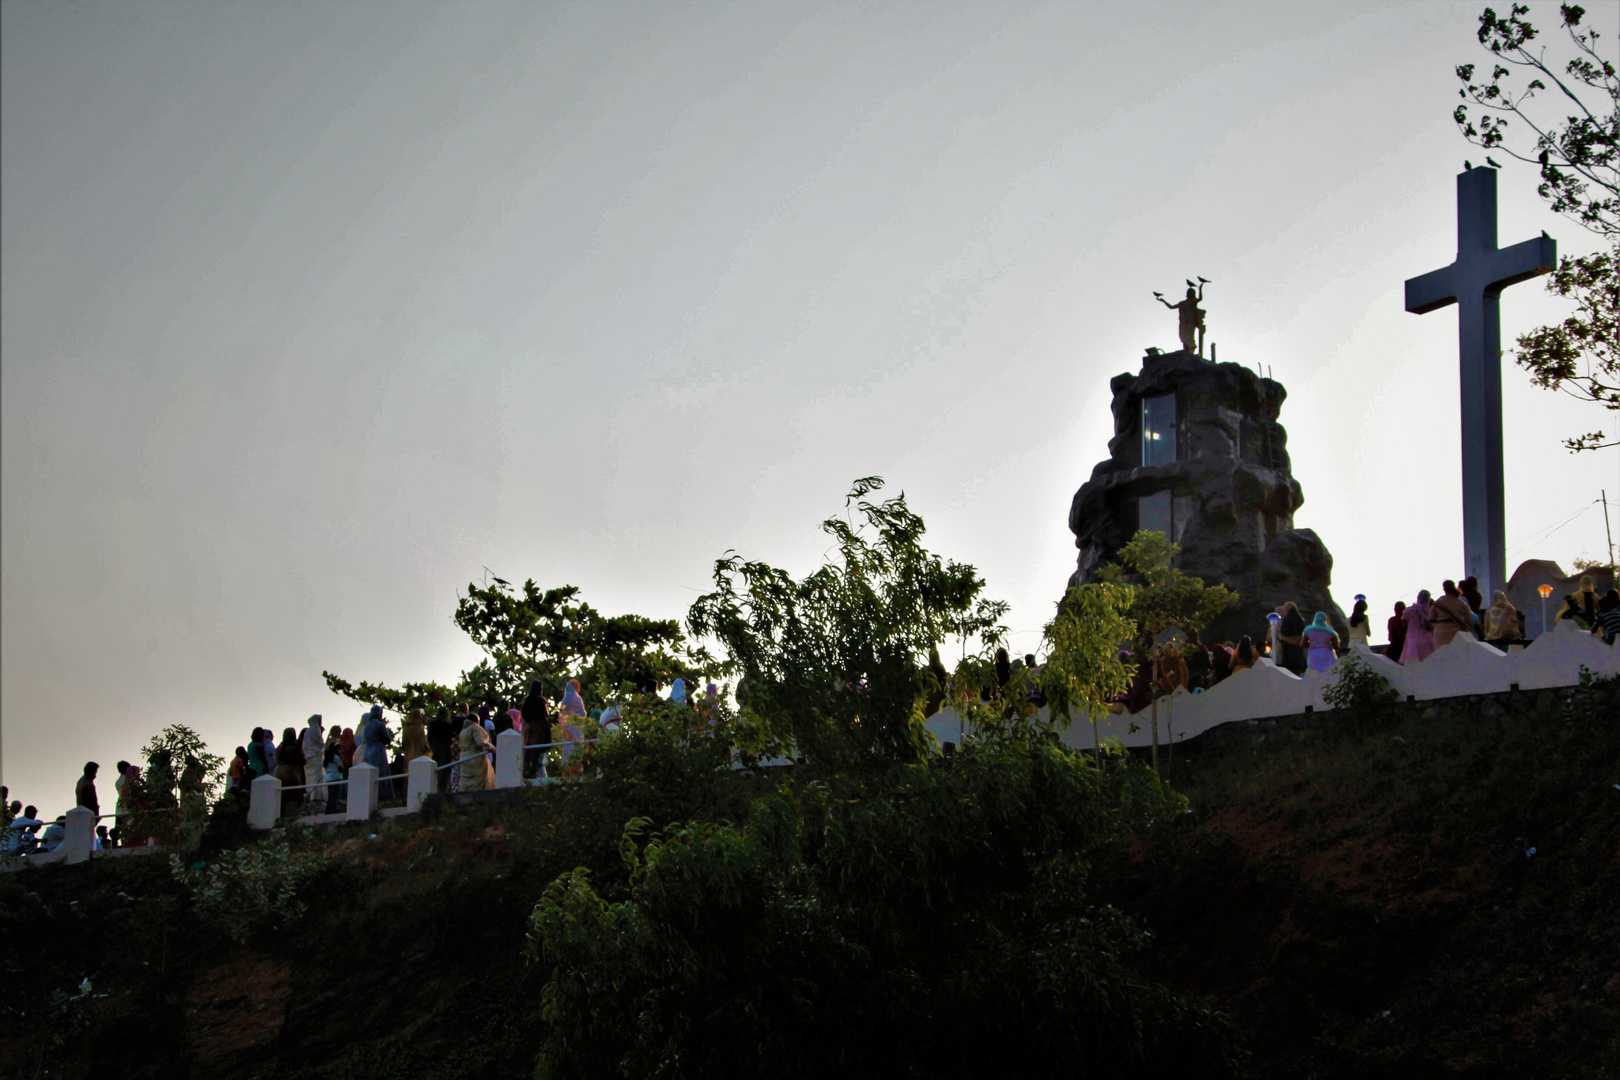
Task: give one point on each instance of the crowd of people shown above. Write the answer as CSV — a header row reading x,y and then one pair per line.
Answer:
x,y
1415,631
314,764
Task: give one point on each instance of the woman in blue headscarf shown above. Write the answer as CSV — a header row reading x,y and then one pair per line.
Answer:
x,y
677,693
1321,643
376,752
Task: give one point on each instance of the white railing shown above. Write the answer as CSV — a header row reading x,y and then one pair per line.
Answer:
x,y
264,803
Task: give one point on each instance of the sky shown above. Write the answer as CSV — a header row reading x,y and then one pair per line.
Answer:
x,y
312,314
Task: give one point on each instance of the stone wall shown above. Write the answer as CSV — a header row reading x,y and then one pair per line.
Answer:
x,y
1232,490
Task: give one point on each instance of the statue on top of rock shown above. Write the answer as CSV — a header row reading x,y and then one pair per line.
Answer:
x,y
1192,316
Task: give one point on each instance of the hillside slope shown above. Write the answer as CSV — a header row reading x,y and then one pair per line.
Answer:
x,y
1435,892
1358,896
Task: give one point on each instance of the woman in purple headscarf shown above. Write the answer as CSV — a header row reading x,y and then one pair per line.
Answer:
x,y
568,718
1419,643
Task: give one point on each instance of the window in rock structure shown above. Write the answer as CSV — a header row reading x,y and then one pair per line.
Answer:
x,y
1164,513
1159,430
1153,513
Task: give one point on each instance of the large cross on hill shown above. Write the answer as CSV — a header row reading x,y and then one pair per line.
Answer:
x,y
1475,283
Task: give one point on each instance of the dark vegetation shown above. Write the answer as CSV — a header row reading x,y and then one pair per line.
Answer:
x,y
1357,897
1362,898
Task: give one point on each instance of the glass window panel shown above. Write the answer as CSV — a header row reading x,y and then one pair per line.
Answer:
x,y
1159,430
1153,513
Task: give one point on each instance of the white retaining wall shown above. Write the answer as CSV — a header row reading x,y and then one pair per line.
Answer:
x,y
1465,666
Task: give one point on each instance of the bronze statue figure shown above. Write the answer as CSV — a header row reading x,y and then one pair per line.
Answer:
x,y
1192,316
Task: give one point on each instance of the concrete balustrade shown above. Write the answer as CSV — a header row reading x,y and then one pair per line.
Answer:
x,y
509,759
362,792
264,802
78,833
419,782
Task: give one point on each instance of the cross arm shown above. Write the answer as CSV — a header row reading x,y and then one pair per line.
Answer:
x,y
1521,262
1431,291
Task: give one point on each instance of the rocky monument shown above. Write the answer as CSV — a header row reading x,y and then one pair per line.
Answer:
x,y
1198,454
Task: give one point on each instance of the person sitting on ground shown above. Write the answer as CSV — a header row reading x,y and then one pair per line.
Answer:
x,y
54,834
20,836
1321,643
290,771
1244,657
103,841
1501,623
476,772
1291,639
1360,625
85,790
1418,645
1609,615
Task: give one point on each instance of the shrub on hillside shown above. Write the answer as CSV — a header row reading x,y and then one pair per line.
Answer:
x,y
929,920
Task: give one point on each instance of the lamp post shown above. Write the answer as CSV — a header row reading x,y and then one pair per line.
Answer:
x,y
1545,591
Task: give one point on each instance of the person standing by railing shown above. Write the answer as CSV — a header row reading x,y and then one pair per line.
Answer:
x,y
476,772
336,790
536,712
375,753
313,743
85,790
290,771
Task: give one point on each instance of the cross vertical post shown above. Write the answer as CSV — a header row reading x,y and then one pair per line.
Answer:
x,y
1474,282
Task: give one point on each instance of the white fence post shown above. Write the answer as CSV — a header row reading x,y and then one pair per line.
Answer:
x,y
362,791
77,831
509,759
419,782
264,803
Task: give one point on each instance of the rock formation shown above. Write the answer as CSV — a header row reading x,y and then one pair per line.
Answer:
x,y
1198,452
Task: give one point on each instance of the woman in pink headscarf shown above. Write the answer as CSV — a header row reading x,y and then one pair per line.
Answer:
x,y
1419,644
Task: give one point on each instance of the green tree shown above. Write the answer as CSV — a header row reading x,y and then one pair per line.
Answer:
x,y
181,780
546,634
1083,669
834,665
931,920
1574,140
1163,598
1581,355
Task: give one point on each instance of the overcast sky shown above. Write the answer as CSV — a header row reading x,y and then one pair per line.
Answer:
x,y
313,312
